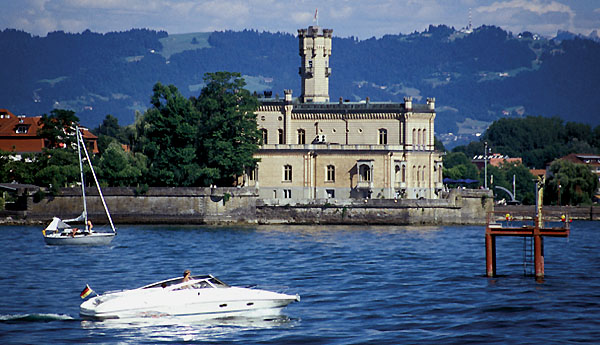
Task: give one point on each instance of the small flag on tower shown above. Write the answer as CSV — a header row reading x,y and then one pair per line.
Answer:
x,y
315,19
86,292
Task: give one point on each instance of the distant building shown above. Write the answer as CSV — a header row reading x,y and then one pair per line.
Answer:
x,y
316,149
19,134
538,172
589,160
494,159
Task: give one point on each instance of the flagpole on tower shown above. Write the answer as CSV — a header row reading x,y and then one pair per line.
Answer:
x,y
316,18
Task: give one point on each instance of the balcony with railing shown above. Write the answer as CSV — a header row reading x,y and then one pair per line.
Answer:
x,y
364,184
400,185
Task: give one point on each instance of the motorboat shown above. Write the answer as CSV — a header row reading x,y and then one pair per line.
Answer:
x,y
199,297
61,232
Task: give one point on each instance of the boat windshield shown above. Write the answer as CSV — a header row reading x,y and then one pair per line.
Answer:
x,y
196,282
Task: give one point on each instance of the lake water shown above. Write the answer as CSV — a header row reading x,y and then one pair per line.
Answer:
x,y
359,285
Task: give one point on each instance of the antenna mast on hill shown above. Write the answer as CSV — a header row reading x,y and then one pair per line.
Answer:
x,y
470,27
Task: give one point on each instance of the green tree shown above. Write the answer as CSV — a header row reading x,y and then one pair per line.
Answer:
x,y
19,170
110,127
503,177
119,168
473,149
228,128
58,128
524,182
458,166
438,145
538,140
110,131
168,135
577,184
596,138
57,168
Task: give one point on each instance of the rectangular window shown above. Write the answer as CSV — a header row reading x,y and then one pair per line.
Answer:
x,y
287,193
287,173
301,137
382,136
281,138
330,173
330,193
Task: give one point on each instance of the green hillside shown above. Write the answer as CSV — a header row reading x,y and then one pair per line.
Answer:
x,y
178,43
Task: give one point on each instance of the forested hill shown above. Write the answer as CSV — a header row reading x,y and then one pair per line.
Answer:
x,y
475,77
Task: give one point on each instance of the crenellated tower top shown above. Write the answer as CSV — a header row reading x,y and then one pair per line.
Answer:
x,y
315,50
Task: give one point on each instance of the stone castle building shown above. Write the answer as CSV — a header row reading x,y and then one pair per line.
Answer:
x,y
316,149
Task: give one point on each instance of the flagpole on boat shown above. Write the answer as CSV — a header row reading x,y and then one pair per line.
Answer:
x,y
97,184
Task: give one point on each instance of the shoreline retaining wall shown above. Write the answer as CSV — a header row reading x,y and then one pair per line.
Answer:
x,y
199,205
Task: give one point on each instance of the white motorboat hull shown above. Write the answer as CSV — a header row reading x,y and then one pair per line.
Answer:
x,y
185,303
95,238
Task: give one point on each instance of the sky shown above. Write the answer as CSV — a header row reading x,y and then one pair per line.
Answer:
x,y
358,18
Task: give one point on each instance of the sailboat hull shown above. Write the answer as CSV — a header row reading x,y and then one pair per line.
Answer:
x,y
93,239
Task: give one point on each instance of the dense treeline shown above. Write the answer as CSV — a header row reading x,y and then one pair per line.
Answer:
x,y
539,141
179,141
477,75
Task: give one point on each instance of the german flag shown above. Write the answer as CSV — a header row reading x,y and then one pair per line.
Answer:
x,y
86,292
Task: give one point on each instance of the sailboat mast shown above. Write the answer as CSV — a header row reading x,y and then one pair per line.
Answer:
x,y
97,184
82,181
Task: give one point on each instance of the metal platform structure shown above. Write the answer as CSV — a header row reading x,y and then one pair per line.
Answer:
x,y
526,226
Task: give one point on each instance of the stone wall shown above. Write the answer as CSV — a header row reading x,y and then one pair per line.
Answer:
x,y
156,205
589,212
457,207
242,206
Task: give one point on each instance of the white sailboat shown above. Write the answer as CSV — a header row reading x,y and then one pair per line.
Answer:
x,y
60,232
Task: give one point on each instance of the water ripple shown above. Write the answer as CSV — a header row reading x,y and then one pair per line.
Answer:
x,y
359,285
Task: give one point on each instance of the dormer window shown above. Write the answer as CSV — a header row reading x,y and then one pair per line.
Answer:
x,y
21,129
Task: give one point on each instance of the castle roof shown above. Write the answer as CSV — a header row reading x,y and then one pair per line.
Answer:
x,y
343,108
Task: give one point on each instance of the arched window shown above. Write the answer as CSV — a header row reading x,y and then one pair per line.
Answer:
x,y
330,173
365,173
265,137
414,174
425,139
287,173
419,137
403,173
281,138
382,136
301,137
414,139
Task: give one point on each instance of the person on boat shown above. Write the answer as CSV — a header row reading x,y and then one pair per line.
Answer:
x,y
89,226
186,275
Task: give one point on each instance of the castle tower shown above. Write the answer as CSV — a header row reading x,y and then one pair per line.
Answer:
x,y
315,49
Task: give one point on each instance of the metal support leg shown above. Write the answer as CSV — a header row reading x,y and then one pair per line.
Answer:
x,y
490,254
538,244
